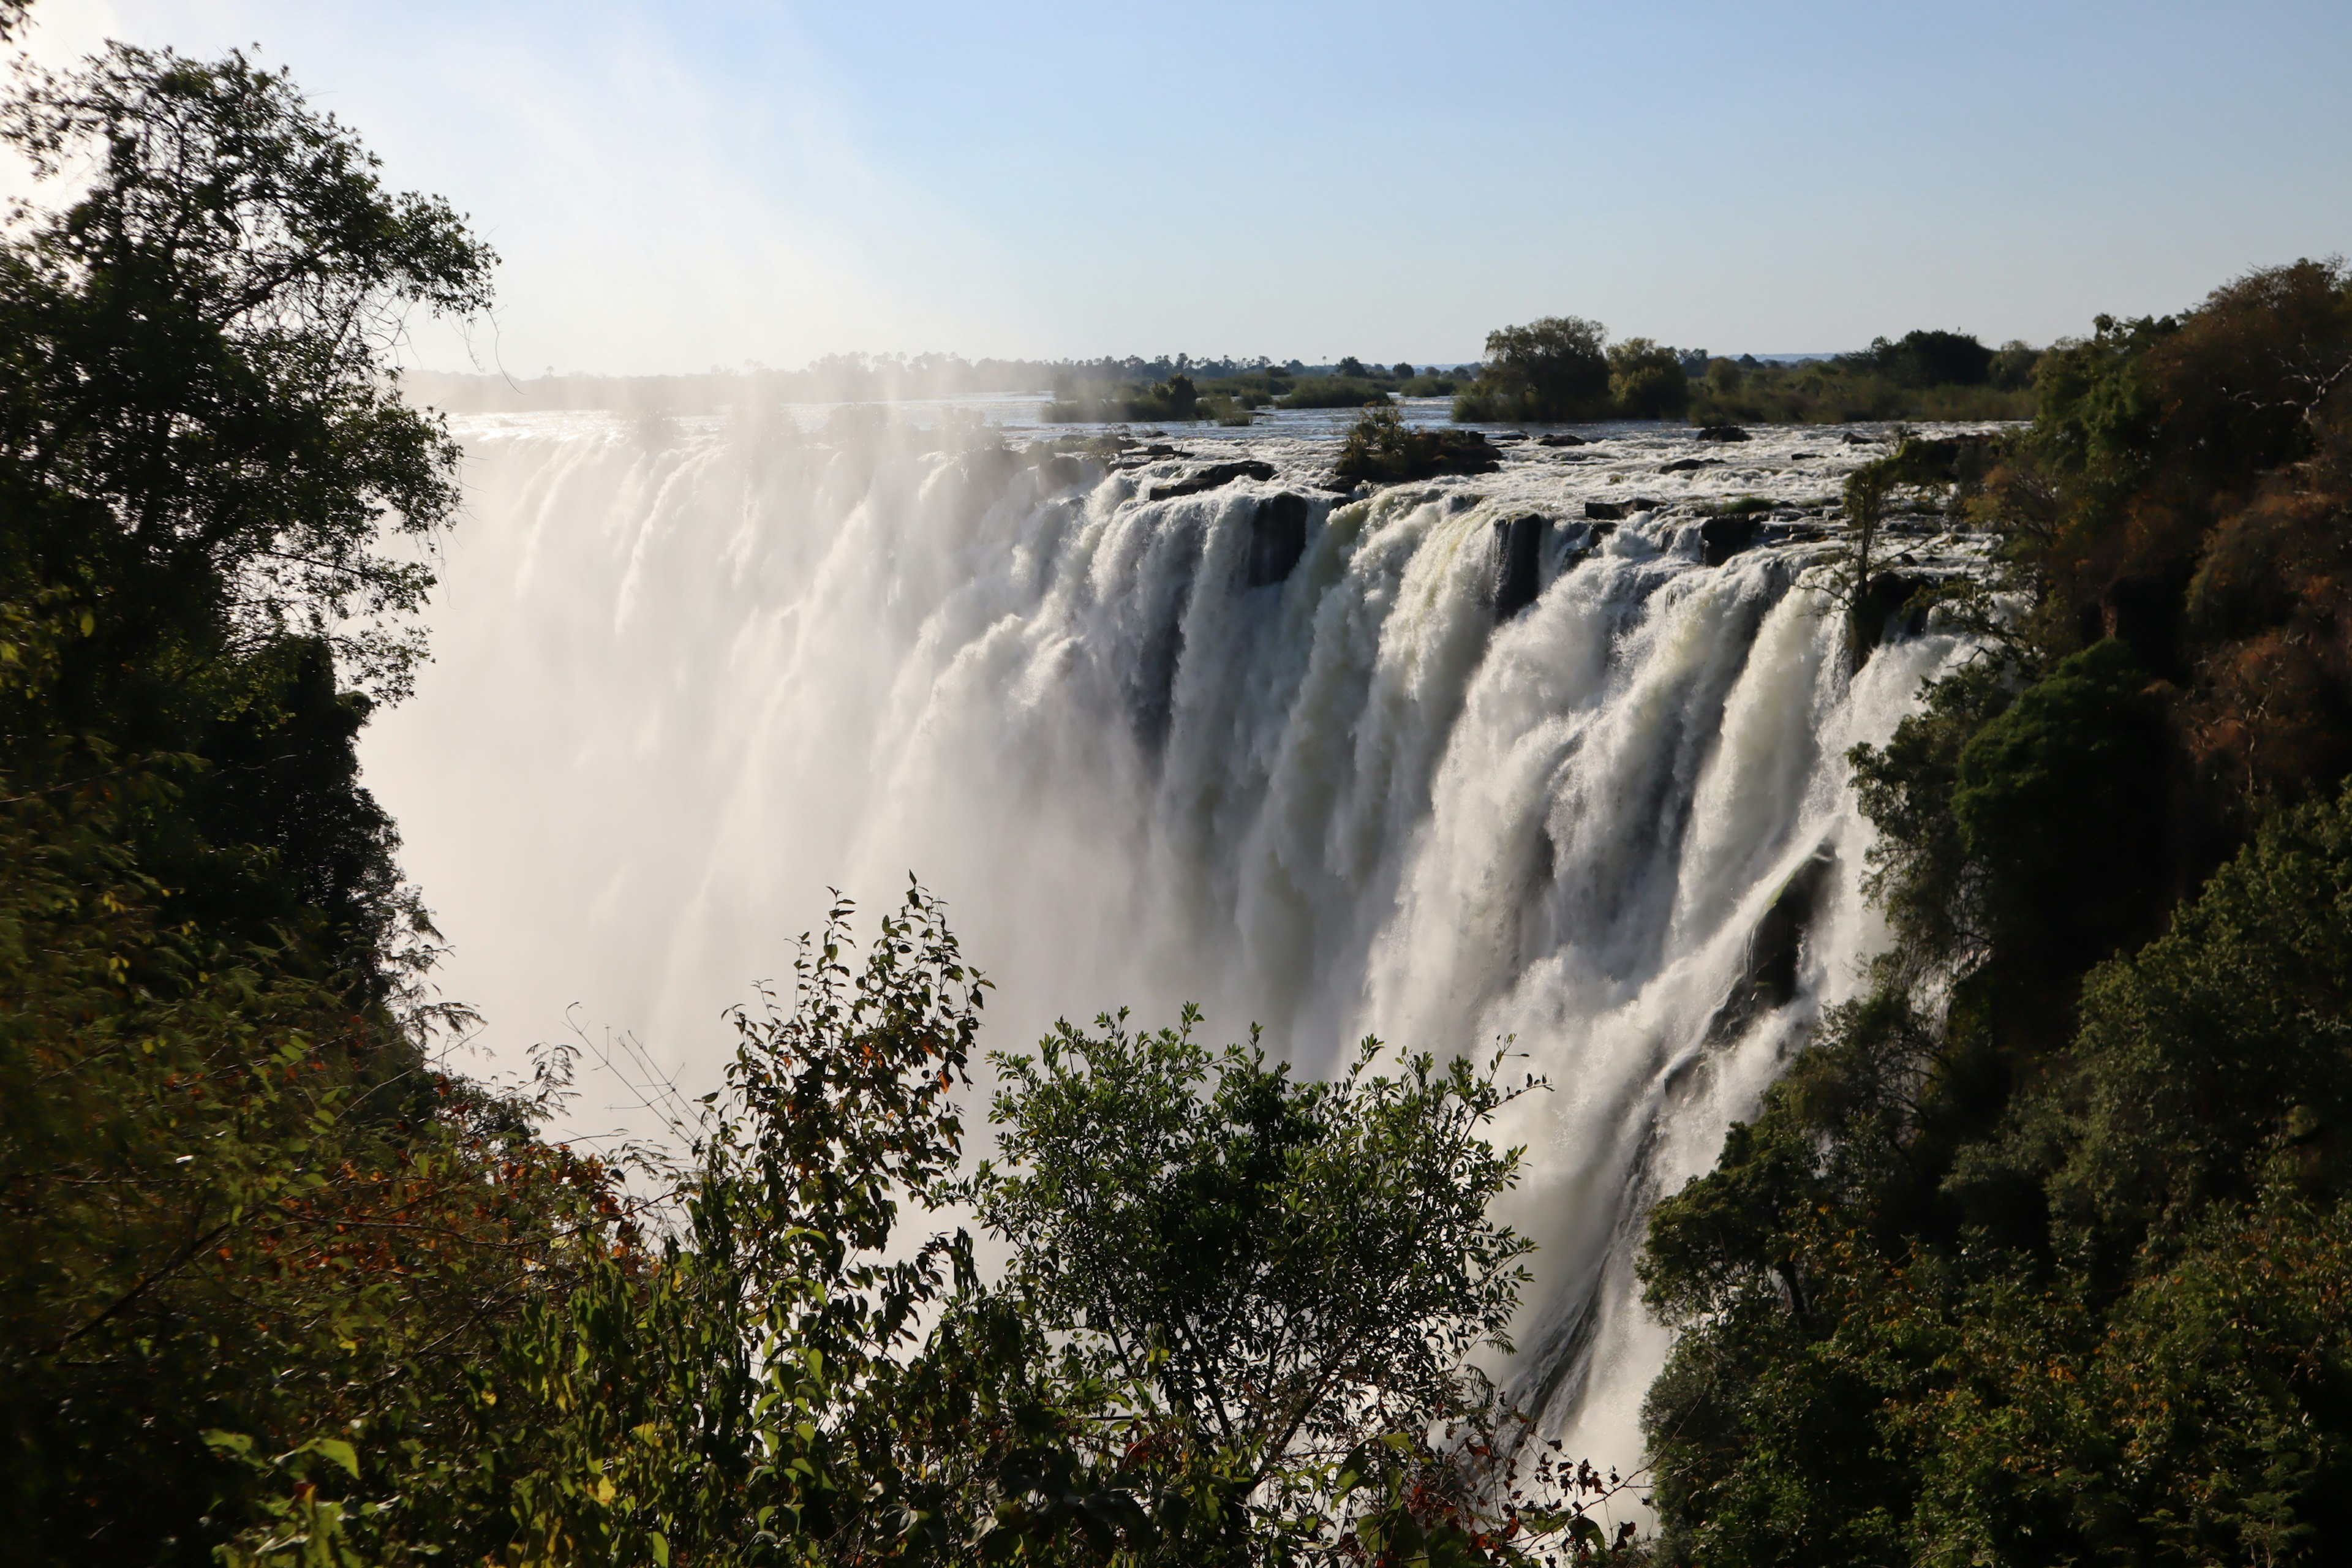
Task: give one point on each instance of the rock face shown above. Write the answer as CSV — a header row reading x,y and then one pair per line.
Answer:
x,y
1684,464
1518,556
1721,538
1775,948
1060,471
1214,476
1723,433
1278,539
1886,610
1605,511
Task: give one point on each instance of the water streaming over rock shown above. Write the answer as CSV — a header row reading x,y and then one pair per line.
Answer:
x,y
1448,762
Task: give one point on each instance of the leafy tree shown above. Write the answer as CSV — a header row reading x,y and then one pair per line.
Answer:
x,y
1553,369
1292,1268
1647,381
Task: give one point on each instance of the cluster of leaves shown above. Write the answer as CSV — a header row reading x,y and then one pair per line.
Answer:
x,y
1175,400
1564,369
1381,449
1924,375
2038,1254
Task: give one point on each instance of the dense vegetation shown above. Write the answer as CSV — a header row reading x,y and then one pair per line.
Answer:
x,y
275,1289
1563,369
1232,396
1381,449
2041,1252
1922,376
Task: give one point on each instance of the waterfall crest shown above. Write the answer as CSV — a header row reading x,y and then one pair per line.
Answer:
x,y
1297,756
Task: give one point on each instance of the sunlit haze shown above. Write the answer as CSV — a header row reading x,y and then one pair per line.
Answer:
x,y
678,186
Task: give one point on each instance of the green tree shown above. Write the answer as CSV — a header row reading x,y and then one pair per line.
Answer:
x,y
1554,369
1647,381
1292,1266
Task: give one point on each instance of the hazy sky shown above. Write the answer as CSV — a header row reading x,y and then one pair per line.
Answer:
x,y
683,184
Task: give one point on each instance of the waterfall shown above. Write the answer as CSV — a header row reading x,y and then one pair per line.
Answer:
x,y
1448,763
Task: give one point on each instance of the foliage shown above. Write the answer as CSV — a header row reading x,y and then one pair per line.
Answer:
x,y
1336,392
1647,381
1553,369
197,352
2037,1252
1293,1268
1381,449
1175,399
1848,390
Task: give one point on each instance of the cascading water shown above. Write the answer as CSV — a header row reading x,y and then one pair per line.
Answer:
x,y
1287,757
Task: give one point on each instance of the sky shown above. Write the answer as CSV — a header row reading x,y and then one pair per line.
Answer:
x,y
678,186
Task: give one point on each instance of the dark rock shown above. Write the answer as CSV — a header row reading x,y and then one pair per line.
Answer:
x,y
1852,439
1518,555
1401,453
1721,538
1684,464
1278,539
1214,476
1562,439
1609,509
1723,433
1768,979
1888,609
1506,436
1060,472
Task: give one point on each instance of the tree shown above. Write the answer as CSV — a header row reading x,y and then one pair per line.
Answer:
x,y
1291,1268
1647,381
1553,369
199,354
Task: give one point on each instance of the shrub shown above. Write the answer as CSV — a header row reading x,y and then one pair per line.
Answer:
x,y
1554,369
1647,381
1383,448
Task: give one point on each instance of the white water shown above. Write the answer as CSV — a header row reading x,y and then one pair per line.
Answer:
x,y
689,677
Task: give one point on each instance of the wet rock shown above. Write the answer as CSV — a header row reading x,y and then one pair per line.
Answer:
x,y
1723,433
1684,464
1768,978
1721,538
1060,472
1887,610
1278,539
1518,556
1562,439
1853,439
1214,476
1399,454
1612,511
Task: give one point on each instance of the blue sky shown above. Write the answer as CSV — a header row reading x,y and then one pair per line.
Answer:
x,y
680,186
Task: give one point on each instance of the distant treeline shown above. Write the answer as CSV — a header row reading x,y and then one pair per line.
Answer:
x,y
866,378
1563,369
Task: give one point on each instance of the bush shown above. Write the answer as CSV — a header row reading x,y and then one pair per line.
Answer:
x,y
1383,448
1647,381
1335,392
1554,369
